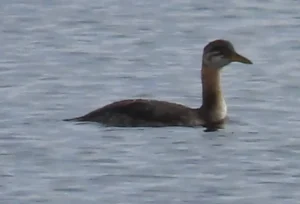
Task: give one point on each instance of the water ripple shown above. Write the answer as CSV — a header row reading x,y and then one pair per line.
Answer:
x,y
61,59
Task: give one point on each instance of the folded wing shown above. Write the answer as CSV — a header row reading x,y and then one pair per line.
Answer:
x,y
140,112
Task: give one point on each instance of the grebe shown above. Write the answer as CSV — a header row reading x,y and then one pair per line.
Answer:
x,y
156,113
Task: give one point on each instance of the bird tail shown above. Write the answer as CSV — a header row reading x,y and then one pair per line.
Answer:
x,y
74,119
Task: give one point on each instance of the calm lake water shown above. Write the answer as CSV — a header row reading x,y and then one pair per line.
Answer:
x,y
64,58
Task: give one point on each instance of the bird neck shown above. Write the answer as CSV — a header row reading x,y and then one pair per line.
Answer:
x,y
213,103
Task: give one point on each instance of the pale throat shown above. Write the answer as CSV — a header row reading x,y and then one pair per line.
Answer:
x,y
212,97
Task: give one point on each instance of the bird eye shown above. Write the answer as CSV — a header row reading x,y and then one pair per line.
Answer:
x,y
216,54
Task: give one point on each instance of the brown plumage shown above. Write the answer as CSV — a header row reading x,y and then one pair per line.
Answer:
x,y
155,113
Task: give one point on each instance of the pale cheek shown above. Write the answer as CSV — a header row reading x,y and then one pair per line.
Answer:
x,y
217,60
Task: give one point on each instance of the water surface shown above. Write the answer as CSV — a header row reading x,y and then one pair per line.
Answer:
x,y
61,59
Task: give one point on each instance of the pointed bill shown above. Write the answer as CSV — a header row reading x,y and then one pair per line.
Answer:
x,y
239,58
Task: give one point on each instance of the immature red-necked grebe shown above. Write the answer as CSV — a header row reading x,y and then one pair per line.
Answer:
x,y
155,113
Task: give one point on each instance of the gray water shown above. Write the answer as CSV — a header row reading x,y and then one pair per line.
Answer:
x,y
64,58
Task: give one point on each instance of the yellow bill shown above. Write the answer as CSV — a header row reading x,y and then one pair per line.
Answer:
x,y
239,58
